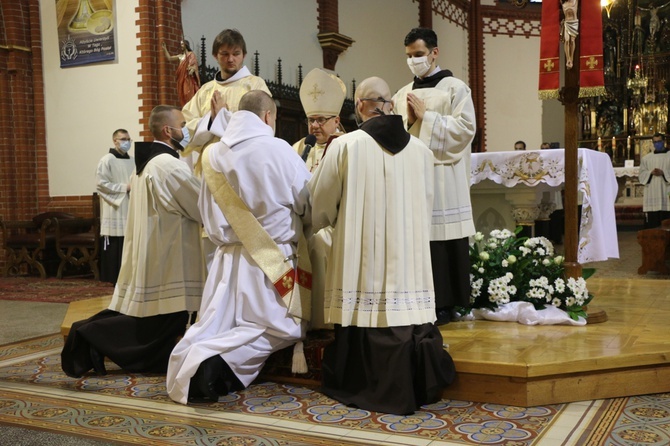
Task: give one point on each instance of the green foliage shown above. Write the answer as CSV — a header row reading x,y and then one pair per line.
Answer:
x,y
508,268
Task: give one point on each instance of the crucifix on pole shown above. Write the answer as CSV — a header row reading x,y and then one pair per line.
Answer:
x,y
576,65
569,97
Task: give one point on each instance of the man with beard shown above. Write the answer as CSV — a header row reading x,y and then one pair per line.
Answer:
x,y
375,187
162,271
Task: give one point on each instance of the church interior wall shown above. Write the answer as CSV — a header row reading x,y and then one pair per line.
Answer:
x,y
285,30
85,104
452,41
513,110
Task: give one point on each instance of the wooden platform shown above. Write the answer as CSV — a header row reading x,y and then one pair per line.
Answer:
x,y
83,309
508,363
513,364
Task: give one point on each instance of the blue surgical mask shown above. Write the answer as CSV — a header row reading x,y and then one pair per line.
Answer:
x,y
124,146
659,146
185,140
187,137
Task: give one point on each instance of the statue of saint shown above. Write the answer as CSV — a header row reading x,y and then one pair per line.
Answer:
x,y
188,79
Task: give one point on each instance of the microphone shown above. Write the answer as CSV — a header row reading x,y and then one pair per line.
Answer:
x,y
310,140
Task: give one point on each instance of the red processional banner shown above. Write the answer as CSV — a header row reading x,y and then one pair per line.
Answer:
x,y
591,78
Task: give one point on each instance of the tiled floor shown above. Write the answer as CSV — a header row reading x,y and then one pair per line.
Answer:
x,y
566,428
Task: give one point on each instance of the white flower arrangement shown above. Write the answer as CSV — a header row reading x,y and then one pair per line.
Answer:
x,y
506,268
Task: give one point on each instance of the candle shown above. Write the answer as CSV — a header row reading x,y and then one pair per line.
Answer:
x,y
613,143
628,147
600,145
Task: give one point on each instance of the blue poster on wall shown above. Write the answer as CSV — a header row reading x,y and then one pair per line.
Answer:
x,y
85,31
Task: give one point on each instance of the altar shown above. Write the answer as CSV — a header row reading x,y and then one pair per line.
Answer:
x,y
518,188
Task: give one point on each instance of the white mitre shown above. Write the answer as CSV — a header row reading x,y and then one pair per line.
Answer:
x,y
322,93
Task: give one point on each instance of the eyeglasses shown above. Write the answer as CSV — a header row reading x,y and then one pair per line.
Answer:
x,y
318,121
377,110
374,100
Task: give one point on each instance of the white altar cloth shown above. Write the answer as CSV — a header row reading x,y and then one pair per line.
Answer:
x,y
627,171
597,182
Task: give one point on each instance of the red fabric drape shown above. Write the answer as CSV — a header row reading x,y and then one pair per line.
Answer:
x,y
549,49
591,79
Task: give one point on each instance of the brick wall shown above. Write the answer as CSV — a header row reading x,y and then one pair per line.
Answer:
x,y
160,21
24,177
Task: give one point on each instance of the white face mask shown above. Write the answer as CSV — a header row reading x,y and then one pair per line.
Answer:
x,y
124,146
418,65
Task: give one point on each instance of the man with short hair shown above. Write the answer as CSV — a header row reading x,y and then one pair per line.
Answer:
x,y
655,176
375,187
162,272
243,318
231,82
437,108
545,146
113,186
519,145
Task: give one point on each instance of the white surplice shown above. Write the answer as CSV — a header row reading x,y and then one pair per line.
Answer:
x,y
447,128
242,317
379,270
112,177
656,187
163,269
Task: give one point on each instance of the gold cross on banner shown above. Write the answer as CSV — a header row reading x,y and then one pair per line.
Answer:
x,y
549,65
287,282
592,62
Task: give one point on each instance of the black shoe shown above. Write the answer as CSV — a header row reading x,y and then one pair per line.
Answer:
x,y
207,383
443,316
98,361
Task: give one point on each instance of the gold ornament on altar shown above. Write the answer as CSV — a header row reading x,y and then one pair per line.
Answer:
x,y
637,82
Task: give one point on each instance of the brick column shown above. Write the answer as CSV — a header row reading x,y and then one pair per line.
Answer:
x,y
160,21
23,167
476,72
332,42
426,14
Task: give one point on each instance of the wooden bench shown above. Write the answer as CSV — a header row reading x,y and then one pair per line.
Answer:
x,y
654,243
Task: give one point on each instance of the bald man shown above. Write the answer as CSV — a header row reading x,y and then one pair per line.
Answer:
x,y
375,188
243,318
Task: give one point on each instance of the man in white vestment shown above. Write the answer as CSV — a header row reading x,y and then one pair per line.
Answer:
x,y
113,185
437,108
243,319
226,89
655,175
322,95
375,187
162,272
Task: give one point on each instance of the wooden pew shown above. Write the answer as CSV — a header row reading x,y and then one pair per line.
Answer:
x,y
654,243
